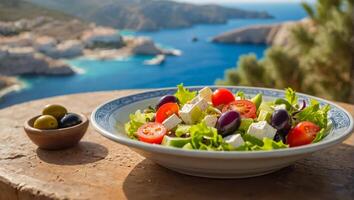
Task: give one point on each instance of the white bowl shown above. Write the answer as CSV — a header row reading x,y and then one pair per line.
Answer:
x,y
110,117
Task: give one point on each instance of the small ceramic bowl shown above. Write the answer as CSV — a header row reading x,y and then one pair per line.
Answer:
x,y
56,139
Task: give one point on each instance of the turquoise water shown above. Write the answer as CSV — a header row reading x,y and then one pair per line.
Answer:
x,y
201,63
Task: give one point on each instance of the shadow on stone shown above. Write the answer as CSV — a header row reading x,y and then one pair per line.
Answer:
x,y
313,175
84,152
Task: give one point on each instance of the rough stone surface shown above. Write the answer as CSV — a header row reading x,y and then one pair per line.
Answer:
x,y
258,34
145,46
101,169
102,37
7,81
275,34
66,49
26,60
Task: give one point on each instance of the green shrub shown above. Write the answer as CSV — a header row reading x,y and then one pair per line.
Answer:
x,y
319,62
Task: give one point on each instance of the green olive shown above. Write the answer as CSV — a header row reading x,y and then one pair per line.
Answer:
x,y
54,110
45,122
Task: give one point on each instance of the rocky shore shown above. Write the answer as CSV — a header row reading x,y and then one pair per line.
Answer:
x,y
39,46
273,34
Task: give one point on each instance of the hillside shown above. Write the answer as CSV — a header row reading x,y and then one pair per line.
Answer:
x,y
147,14
270,34
11,10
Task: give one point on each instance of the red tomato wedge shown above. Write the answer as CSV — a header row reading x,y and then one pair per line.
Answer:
x,y
165,111
222,96
247,109
152,132
303,133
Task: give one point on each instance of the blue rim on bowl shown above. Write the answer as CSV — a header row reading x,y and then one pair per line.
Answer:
x,y
341,119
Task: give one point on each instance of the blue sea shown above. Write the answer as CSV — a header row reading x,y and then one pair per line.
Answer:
x,y
201,63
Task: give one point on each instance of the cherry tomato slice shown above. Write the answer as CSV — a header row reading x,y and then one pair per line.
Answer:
x,y
247,109
165,111
151,132
222,96
303,133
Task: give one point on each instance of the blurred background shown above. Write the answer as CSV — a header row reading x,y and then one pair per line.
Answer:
x,y
56,47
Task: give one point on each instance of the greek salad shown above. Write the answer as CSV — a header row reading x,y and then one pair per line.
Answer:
x,y
222,121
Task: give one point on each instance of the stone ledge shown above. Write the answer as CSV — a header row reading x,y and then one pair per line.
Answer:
x,y
101,169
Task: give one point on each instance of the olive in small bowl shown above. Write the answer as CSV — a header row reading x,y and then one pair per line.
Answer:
x,y
55,110
55,139
70,119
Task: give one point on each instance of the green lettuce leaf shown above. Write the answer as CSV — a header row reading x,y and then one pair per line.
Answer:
x,y
269,144
182,130
323,132
291,96
251,139
255,144
184,95
241,94
315,114
245,147
136,120
227,147
204,137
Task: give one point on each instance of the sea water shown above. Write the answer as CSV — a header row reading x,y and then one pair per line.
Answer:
x,y
201,62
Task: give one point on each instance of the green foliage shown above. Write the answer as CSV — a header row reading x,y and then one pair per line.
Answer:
x,y
184,95
308,9
240,94
255,144
204,137
291,96
136,120
314,113
323,132
303,39
250,72
318,58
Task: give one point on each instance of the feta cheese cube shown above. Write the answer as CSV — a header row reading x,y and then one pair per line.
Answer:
x,y
171,122
186,113
210,120
261,130
202,104
194,100
206,94
280,106
235,140
190,113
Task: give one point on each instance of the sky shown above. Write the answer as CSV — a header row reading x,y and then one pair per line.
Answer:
x,y
246,1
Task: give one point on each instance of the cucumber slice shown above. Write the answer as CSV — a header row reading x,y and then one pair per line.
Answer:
x,y
264,115
175,141
188,146
265,107
253,140
197,114
257,100
245,124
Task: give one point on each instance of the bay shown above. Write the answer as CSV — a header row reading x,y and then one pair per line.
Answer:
x,y
201,63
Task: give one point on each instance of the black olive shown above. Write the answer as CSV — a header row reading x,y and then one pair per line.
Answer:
x,y
70,119
279,137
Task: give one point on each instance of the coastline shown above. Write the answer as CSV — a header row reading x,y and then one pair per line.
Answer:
x,y
34,51
94,54
120,76
19,85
